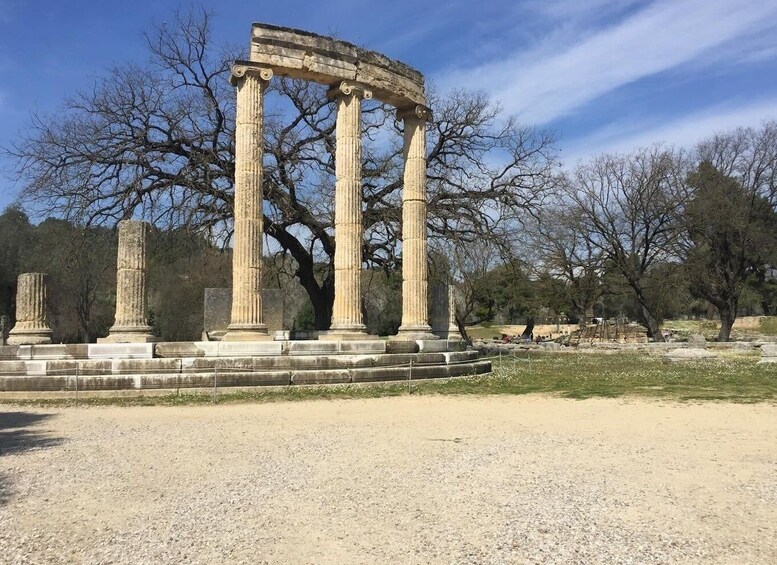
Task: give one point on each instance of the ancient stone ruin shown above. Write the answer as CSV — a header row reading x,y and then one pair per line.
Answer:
x,y
353,74
249,353
31,303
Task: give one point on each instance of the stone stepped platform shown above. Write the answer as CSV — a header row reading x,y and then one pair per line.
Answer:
x,y
177,365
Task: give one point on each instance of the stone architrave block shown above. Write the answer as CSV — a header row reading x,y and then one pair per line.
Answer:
x,y
217,310
439,309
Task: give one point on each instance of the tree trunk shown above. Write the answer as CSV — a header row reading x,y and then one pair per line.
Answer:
x,y
529,329
728,313
323,298
654,330
463,331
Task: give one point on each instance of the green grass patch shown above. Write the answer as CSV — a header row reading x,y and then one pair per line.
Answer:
x,y
731,378
768,326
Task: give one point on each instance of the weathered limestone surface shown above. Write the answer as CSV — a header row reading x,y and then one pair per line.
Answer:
x,y
246,319
301,54
768,353
691,354
347,312
31,304
697,340
131,322
439,309
415,308
217,312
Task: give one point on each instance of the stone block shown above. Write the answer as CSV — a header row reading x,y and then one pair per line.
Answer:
x,y
460,356
366,375
401,346
9,351
145,366
249,348
12,367
432,345
690,354
769,350
217,311
697,341
36,368
312,347
59,351
439,309
320,377
120,350
370,346
187,349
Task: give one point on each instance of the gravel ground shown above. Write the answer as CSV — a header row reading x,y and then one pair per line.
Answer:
x,y
528,479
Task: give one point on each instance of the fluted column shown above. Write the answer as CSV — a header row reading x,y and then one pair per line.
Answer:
x,y
31,303
347,312
415,307
131,321
246,321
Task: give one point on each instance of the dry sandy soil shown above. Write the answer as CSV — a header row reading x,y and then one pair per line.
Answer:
x,y
394,480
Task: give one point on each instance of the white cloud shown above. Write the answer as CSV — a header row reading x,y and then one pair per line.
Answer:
x,y
684,132
544,83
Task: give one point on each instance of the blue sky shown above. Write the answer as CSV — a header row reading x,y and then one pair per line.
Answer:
x,y
605,75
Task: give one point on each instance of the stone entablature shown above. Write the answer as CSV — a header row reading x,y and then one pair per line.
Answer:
x,y
301,54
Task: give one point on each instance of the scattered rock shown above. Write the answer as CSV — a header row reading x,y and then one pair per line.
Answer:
x,y
697,341
768,353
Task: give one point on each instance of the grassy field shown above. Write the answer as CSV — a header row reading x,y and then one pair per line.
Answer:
x,y
736,378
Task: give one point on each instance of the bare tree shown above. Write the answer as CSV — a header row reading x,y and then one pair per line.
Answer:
x,y
560,246
157,141
628,206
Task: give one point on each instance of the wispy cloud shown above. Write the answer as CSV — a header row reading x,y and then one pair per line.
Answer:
x,y
626,135
545,83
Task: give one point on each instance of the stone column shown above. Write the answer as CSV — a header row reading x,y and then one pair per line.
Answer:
x,y
131,322
246,322
415,308
347,312
31,301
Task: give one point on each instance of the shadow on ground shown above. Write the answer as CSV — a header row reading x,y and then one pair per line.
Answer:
x,y
20,432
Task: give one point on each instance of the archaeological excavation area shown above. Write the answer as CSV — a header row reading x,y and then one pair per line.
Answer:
x,y
247,353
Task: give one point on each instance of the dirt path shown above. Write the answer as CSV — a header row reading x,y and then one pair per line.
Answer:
x,y
391,480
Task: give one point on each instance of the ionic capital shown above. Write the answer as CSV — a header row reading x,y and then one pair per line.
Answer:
x,y
418,111
346,88
240,70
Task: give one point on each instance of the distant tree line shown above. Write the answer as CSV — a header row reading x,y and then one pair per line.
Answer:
x,y
657,233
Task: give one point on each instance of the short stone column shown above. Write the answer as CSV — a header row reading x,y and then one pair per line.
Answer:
x,y
31,304
131,322
246,321
347,312
415,307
